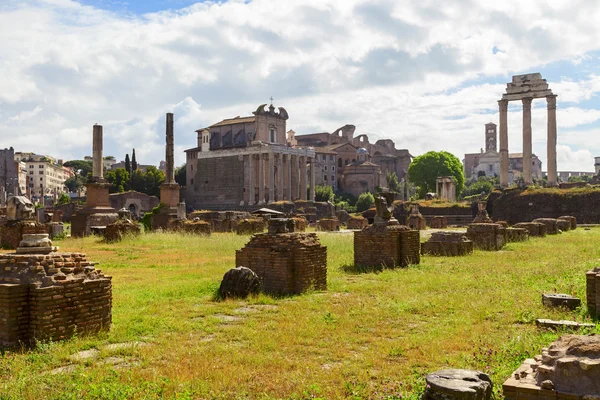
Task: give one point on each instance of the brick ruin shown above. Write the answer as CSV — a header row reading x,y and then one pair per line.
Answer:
x,y
328,224
221,221
300,224
357,222
551,228
415,220
287,262
516,234
11,234
117,230
482,216
534,228
250,226
592,280
487,236
563,225
447,244
568,369
51,296
195,226
438,222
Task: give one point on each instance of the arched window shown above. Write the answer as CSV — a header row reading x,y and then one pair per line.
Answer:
x,y
272,134
339,163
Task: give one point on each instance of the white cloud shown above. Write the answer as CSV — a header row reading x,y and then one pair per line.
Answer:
x,y
414,72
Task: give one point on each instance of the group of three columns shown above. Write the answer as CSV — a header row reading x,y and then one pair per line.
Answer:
x,y
527,142
286,181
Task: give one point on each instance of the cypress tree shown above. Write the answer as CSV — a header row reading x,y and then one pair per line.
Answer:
x,y
133,161
127,164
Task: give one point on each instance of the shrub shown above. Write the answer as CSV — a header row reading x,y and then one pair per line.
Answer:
x,y
364,202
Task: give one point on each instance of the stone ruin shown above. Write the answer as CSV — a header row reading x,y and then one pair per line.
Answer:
x,y
572,220
19,208
458,384
20,220
482,216
415,220
194,226
516,234
122,227
447,244
221,221
550,223
287,262
46,295
250,226
568,369
239,282
487,236
357,222
386,242
438,222
533,228
328,224
300,224
592,282
560,300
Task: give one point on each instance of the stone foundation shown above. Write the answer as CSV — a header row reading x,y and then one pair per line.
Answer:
x,y
592,280
516,235
221,221
328,224
534,228
192,227
286,263
51,297
550,223
563,225
438,222
55,229
250,226
416,222
486,236
387,245
300,224
12,232
447,244
571,219
357,222
117,230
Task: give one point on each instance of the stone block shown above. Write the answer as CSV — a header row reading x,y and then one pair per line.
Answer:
x,y
560,300
571,219
550,223
387,245
487,236
563,225
534,228
438,222
250,226
458,384
357,222
516,235
447,244
328,224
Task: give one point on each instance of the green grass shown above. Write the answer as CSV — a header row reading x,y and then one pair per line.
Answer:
x,y
373,334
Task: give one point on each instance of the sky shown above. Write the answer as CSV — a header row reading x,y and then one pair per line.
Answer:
x,y
426,74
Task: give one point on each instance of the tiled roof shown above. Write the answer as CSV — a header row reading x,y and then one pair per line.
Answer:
x,y
236,120
333,147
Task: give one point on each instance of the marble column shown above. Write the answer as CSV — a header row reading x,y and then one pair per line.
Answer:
x,y
169,157
288,171
527,143
503,104
551,163
280,177
261,179
296,184
97,163
303,174
312,178
251,195
271,180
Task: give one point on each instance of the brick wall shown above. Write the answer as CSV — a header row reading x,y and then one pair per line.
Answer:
x,y
219,182
11,233
117,230
50,297
486,236
357,222
251,226
593,292
438,222
286,263
387,245
447,244
328,224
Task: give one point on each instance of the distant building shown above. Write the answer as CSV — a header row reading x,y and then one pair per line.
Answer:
x,y
326,163
597,165
45,175
487,163
564,176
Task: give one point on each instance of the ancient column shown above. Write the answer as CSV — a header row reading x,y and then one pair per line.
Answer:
x,y
250,171
97,163
169,158
280,177
296,184
551,166
503,104
527,145
261,179
303,178
312,178
271,177
288,169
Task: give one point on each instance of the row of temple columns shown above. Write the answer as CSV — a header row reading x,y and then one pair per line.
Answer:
x,y
282,178
527,141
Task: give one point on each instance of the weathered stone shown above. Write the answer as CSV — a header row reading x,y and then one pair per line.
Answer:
x,y
328,224
250,226
571,219
562,324
390,245
592,281
482,216
458,384
563,225
239,282
19,208
560,300
447,244
121,228
516,234
550,223
486,236
415,220
438,222
534,228
357,222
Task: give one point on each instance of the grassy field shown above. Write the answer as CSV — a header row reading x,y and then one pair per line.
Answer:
x,y
370,335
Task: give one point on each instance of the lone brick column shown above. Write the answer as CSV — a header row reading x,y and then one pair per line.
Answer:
x,y
527,146
551,163
169,190
503,104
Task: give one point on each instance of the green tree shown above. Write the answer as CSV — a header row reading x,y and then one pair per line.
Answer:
x,y
81,167
324,193
63,199
583,178
119,180
75,183
483,185
181,175
147,182
134,165
426,168
392,182
364,202
127,164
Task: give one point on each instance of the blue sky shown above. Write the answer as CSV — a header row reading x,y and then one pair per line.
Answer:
x,y
425,74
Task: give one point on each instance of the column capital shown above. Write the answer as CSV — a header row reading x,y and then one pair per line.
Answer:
x,y
551,100
527,102
503,104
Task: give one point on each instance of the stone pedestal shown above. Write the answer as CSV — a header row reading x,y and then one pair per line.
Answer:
x,y
550,223
487,236
447,244
97,213
169,198
572,220
516,235
387,245
534,228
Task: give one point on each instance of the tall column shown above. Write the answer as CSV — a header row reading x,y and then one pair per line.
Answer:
x,y
271,177
312,179
251,195
97,163
261,179
288,171
527,145
551,162
503,105
169,158
298,175
303,178
280,177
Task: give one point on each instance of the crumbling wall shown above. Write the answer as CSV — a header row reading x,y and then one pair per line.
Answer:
x,y
387,245
487,236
